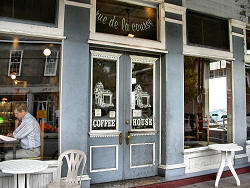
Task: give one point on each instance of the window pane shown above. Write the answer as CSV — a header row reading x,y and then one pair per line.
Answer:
x,y
104,95
248,101
32,89
43,11
208,106
248,41
142,96
205,30
115,17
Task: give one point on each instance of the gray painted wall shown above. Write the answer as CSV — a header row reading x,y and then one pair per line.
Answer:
x,y
173,98
75,80
239,91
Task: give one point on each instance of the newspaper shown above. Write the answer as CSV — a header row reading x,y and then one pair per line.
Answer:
x,y
7,138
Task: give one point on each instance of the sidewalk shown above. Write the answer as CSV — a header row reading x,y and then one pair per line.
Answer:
x,y
227,182
205,181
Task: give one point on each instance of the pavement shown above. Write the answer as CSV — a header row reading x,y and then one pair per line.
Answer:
x,y
158,182
227,182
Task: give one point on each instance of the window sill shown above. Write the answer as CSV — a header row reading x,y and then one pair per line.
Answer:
x,y
207,52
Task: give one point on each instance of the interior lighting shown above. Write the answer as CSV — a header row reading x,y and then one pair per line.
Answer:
x,y
1,120
13,76
131,35
46,51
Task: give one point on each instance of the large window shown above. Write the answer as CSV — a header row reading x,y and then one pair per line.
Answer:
x,y
204,30
31,87
208,102
42,11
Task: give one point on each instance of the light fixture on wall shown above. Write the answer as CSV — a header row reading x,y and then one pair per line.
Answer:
x,y
46,52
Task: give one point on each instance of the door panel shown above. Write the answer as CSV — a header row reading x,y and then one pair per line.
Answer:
x,y
124,125
142,133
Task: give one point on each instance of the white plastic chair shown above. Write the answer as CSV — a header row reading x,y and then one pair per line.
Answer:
x,y
75,159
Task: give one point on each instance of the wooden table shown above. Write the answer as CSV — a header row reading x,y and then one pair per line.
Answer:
x,y
226,159
22,168
10,144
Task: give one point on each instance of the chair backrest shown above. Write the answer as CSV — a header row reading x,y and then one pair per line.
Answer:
x,y
75,159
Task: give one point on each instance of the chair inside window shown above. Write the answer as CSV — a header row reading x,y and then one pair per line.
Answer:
x,y
75,161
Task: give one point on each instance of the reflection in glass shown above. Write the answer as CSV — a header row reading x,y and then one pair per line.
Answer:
x,y
142,96
248,100
208,102
104,95
40,93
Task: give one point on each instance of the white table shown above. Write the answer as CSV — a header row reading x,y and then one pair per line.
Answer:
x,y
226,159
22,167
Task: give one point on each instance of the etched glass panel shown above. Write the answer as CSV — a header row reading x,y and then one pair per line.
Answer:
x,y
142,96
104,94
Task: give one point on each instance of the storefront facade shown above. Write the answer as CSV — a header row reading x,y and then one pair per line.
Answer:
x,y
131,83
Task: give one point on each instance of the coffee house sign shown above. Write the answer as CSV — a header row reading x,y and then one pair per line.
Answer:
x,y
119,18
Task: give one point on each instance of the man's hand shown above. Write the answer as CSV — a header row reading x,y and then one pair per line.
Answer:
x,y
10,135
16,123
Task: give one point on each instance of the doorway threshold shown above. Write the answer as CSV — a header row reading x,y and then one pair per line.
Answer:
x,y
130,183
160,182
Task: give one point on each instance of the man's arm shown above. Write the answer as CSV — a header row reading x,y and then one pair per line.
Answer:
x,y
24,129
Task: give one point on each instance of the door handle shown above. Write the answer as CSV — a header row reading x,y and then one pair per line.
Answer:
x,y
127,138
120,138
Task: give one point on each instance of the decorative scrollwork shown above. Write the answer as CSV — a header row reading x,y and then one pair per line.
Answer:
x,y
102,95
139,95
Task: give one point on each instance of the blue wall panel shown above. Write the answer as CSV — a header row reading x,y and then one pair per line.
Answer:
x,y
75,80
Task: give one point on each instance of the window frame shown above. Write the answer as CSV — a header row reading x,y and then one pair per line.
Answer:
x,y
122,41
20,62
48,62
247,56
190,50
11,26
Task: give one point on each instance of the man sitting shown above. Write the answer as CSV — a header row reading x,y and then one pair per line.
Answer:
x,y
28,132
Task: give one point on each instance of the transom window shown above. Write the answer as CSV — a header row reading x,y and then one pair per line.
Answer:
x,y
120,18
42,11
205,30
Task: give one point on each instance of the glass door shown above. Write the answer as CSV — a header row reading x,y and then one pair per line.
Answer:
x,y
124,116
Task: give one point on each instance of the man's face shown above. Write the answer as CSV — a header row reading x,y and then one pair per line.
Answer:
x,y
19,115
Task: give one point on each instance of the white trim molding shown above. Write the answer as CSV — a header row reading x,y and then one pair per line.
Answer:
x,y
104,169
109,56
142,59
144,165
77,4
237,23
104,134
174,21
144,133
31,30
207,52
238,35
173,166
174,9
240,156
25,29
127,42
